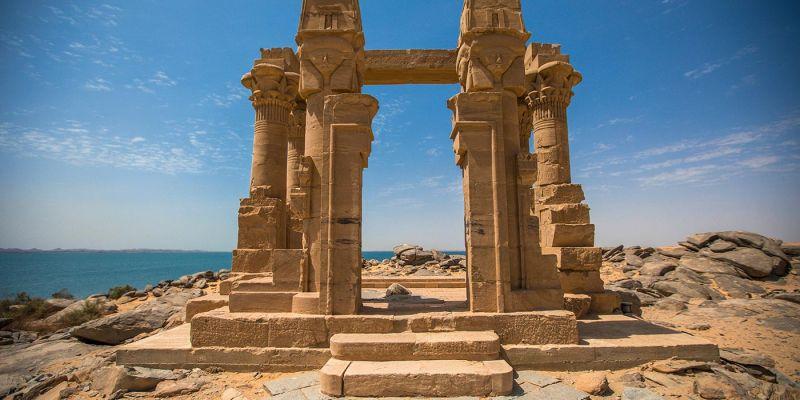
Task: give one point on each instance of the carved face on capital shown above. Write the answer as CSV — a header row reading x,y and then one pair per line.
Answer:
x,y
493,62
329,62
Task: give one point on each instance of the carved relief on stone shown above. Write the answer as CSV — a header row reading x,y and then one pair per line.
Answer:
x,y
482,15
299,202
336,15
525,125
269,82
526,166
331,62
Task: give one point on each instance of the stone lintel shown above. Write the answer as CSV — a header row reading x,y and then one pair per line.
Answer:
x,y
413,66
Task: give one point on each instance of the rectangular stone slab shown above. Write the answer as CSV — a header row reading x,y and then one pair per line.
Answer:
x,y
428,378
613,342
459,345
172,349
395,67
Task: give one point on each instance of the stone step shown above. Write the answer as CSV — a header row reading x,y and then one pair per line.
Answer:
x,y
426,378
205,303
261,302
261,284
406,346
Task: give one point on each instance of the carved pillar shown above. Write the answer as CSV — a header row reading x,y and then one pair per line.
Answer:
x,y
337,138
263,215
507,271
565,229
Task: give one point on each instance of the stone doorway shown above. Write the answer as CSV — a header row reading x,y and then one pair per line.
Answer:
x,y
412,194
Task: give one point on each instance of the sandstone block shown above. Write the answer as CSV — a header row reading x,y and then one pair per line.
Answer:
x,y
458,345
559,194
260,301
205,303
577,303
568,235
331,377
607,302
428,378
576,213
581,282
577,258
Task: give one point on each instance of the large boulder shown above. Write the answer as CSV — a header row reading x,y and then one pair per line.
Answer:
x,y
400,249
657,267
688,289
704,265
736,287
145,318
111,379
60,304
755,263
62,318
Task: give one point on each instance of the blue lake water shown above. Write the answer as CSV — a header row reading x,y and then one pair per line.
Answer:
x,y
86,273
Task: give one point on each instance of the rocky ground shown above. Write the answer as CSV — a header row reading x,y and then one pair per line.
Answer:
x,y
739,290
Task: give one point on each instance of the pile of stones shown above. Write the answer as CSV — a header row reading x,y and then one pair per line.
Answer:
x,y
708,266
416,261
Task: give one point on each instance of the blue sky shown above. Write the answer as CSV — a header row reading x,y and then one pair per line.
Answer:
x,y
123,124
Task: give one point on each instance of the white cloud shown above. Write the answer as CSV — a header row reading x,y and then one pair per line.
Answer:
x,y
710,67
98,85
175,152
233,94
433,152
759,162
162,79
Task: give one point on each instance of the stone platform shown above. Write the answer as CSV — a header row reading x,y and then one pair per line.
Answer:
x,y
607,342
221,328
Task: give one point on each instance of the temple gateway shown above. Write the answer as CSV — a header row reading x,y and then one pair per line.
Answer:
x,y
532,297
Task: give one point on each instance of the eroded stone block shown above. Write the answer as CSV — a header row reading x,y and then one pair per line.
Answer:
x,y
577,258
568,235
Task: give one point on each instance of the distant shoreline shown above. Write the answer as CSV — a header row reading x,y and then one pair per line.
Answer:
x,y
158,251
108,251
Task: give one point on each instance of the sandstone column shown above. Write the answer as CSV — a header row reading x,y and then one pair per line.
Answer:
x,y
263,215
337,141
563,217
507,271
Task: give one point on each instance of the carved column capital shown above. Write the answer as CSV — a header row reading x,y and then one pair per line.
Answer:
x,y
271,85
550,88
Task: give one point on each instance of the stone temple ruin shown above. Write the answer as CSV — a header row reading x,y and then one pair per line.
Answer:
x,y
295,299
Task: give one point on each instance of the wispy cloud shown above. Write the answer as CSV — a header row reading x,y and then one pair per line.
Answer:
x,y
175,152
712,66
98,85
232,94
704,161
618,121
149,85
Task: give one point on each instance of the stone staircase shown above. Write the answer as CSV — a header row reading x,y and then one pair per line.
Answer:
x,y
457,363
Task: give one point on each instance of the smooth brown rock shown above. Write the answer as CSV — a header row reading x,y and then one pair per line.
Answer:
x,y
594,383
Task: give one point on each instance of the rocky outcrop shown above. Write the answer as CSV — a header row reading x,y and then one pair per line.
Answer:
x,y
707,266
118,328
414,260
